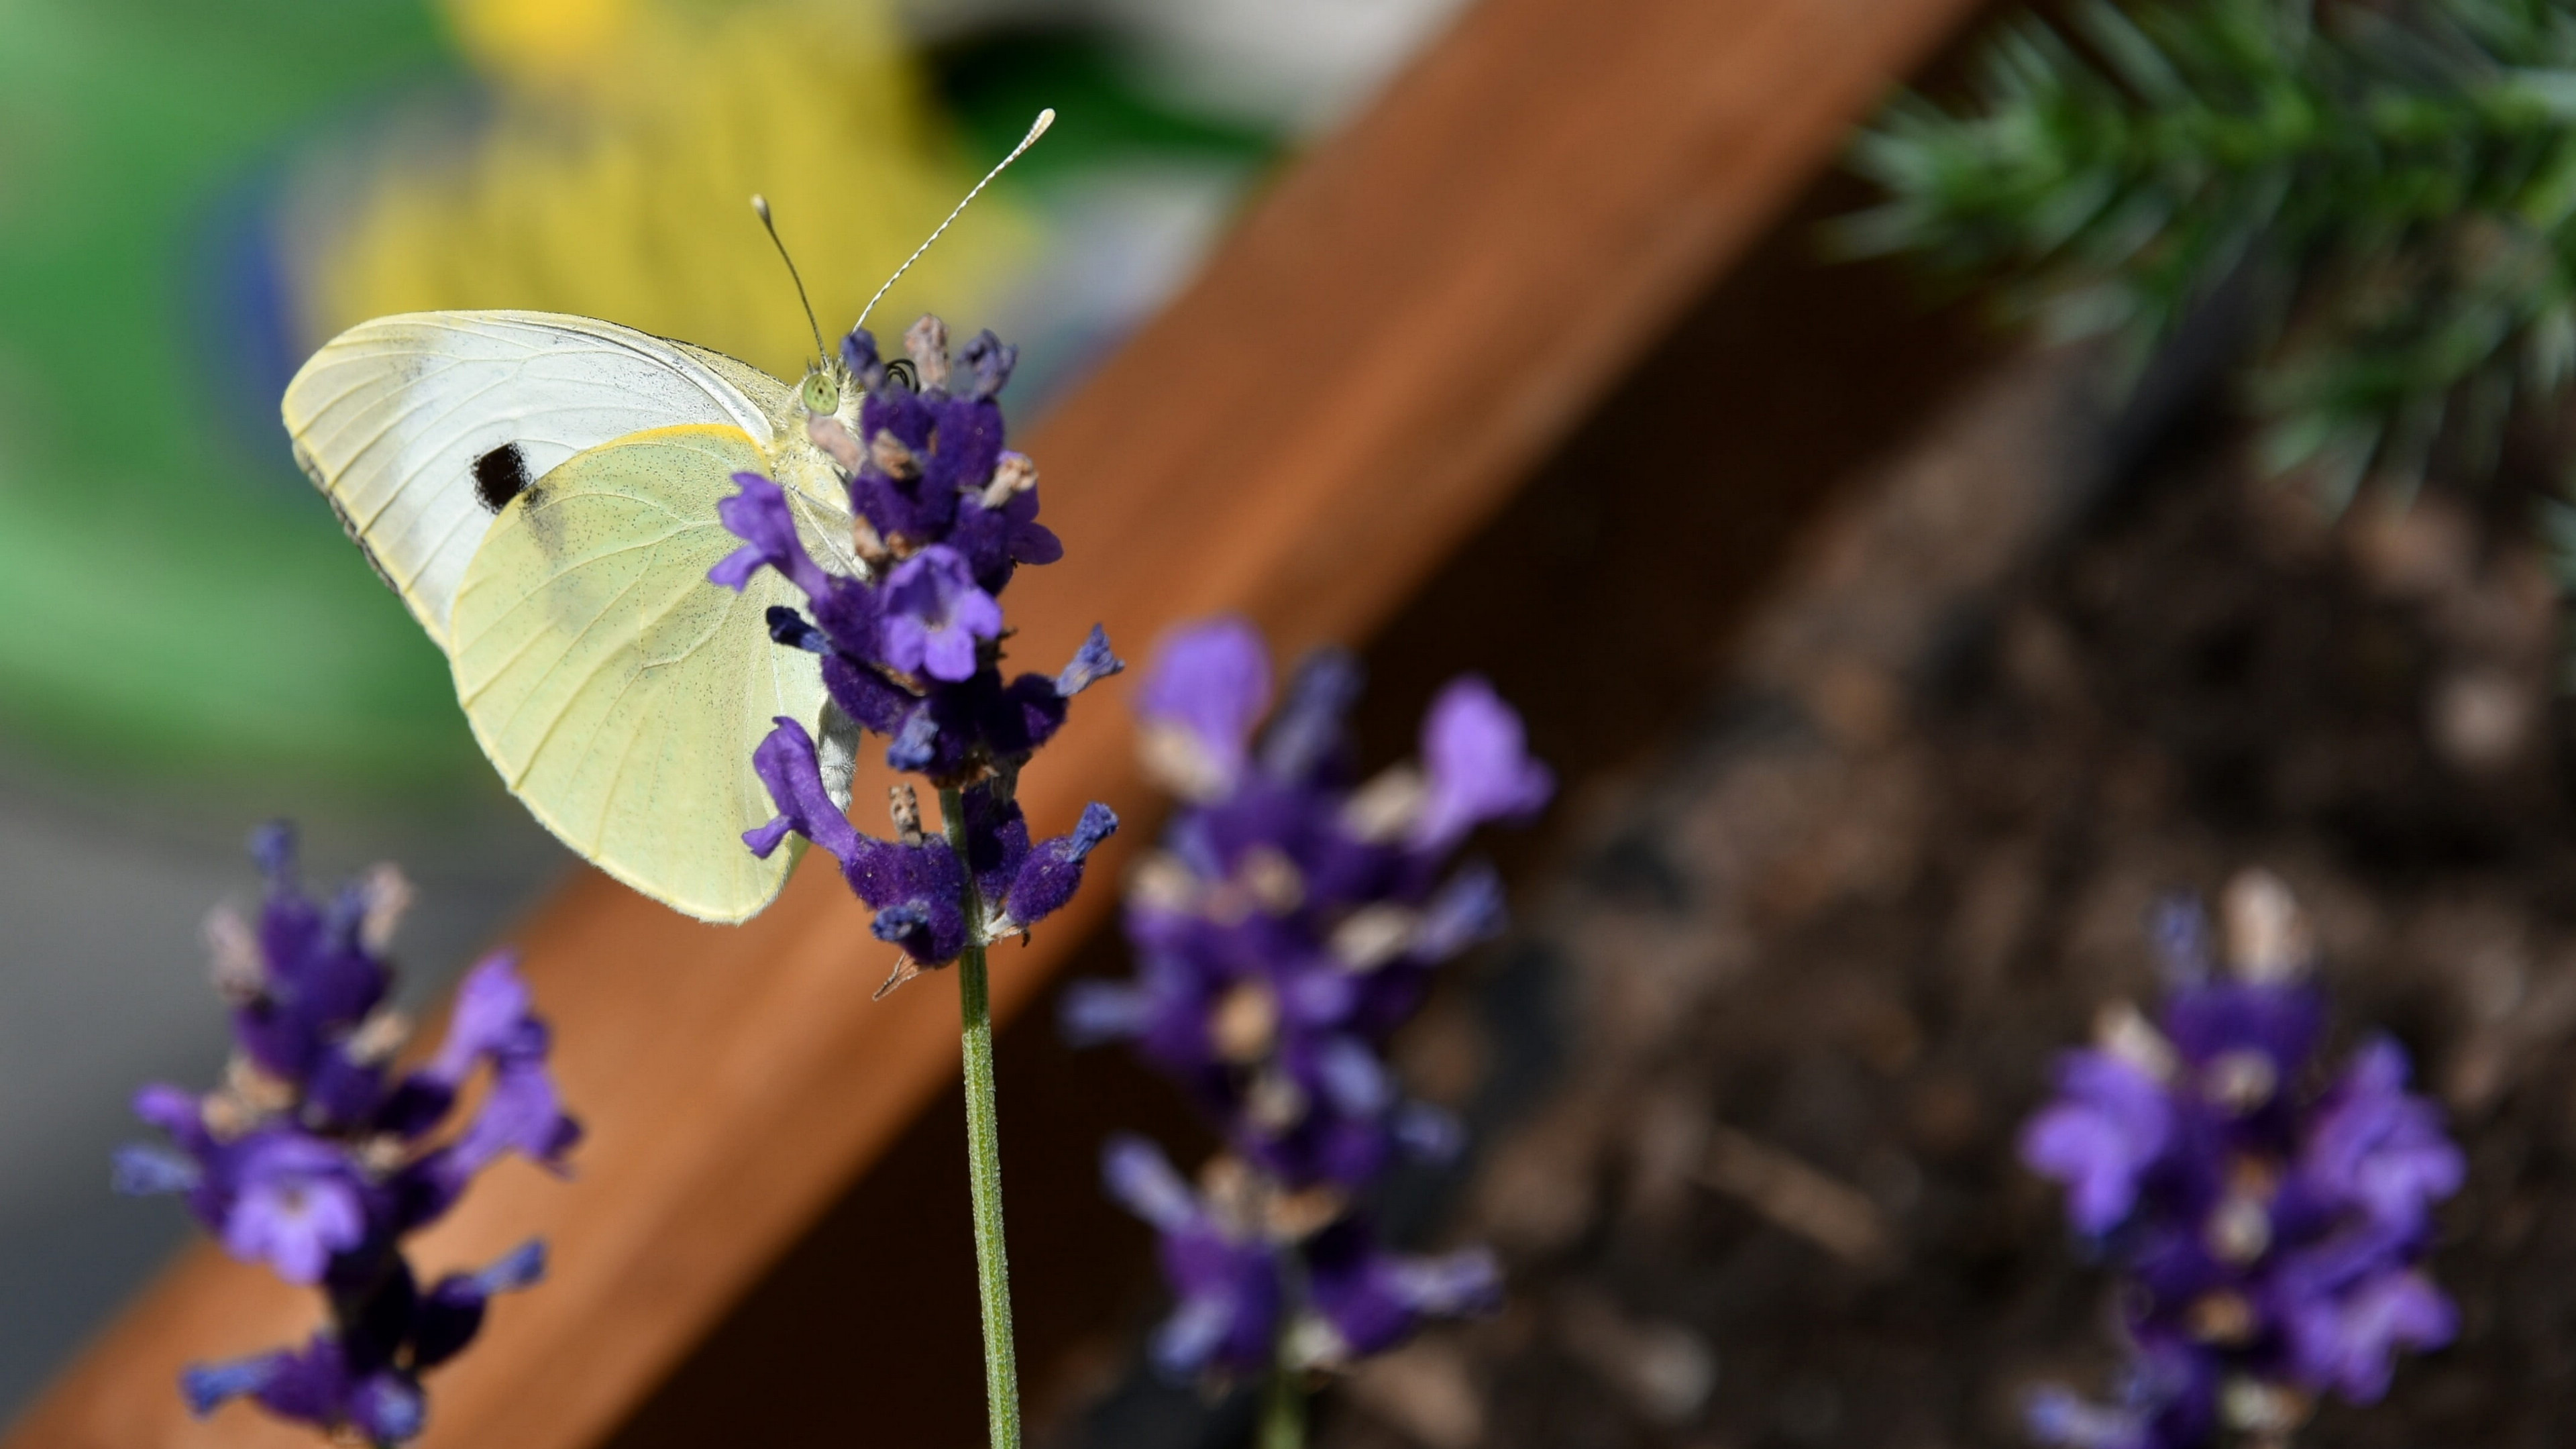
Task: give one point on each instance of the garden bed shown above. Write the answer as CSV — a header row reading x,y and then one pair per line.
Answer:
x,y
1812,965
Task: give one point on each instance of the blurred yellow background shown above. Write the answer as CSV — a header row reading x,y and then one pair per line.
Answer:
x,y
612,179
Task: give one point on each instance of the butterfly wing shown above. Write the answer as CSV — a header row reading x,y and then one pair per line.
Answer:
x,y
618,691
420,428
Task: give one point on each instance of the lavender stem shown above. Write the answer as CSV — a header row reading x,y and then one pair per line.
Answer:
x,y
984,1152
1283,1411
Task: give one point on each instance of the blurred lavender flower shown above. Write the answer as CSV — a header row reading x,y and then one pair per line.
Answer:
x,y
911,648
317,1158
2269,1220
1288,925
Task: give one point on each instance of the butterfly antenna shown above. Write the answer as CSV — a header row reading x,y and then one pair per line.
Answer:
x,y
1038,128
760,205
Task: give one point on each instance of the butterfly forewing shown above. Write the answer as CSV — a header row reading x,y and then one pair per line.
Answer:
x,y
419,428
619,693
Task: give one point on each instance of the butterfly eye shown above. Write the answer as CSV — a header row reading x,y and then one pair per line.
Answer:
x,y
821,393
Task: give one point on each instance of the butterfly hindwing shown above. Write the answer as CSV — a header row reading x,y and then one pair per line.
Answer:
x,y
621,694
419,428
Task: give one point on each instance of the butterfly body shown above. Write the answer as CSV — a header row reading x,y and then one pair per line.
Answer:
x,y
541,491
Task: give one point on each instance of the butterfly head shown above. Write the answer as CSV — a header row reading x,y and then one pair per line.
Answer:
x,y
829,382
821,391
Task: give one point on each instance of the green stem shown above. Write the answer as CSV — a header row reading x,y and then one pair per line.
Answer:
x,y
1283,1408
984,1153
1283,1414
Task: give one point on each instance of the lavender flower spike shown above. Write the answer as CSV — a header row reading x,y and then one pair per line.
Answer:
x,y
943,515
318,1159
908,646
1287,928
2270,1234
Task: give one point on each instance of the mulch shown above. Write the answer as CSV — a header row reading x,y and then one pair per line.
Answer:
x,y
1750,1077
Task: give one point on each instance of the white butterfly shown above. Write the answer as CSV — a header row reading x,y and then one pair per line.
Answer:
x,y
541,490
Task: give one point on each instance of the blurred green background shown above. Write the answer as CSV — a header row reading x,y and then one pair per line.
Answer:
x,y
169,602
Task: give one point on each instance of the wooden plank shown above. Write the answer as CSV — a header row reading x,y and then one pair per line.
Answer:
x,y
1394,334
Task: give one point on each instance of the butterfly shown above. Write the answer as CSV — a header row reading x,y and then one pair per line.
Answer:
x,y
541,491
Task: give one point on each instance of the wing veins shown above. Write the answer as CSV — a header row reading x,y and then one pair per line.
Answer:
x,y
546,736
647,620
535,639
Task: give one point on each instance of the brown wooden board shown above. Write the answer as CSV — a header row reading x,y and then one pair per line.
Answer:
x,y
1392,336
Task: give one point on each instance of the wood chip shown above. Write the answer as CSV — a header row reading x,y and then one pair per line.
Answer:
x,y
1826,1211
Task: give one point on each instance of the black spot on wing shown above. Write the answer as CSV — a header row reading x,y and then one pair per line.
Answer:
x,y
499,476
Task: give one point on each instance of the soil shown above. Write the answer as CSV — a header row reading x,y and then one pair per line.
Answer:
x,y
1814,964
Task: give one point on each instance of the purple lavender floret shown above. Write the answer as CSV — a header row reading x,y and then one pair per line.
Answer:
x,y
1372,1299
1198,706
318,1158
2110,1123
2379,1149
1479,766
935,618
910,646
1291,921
2269,1218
